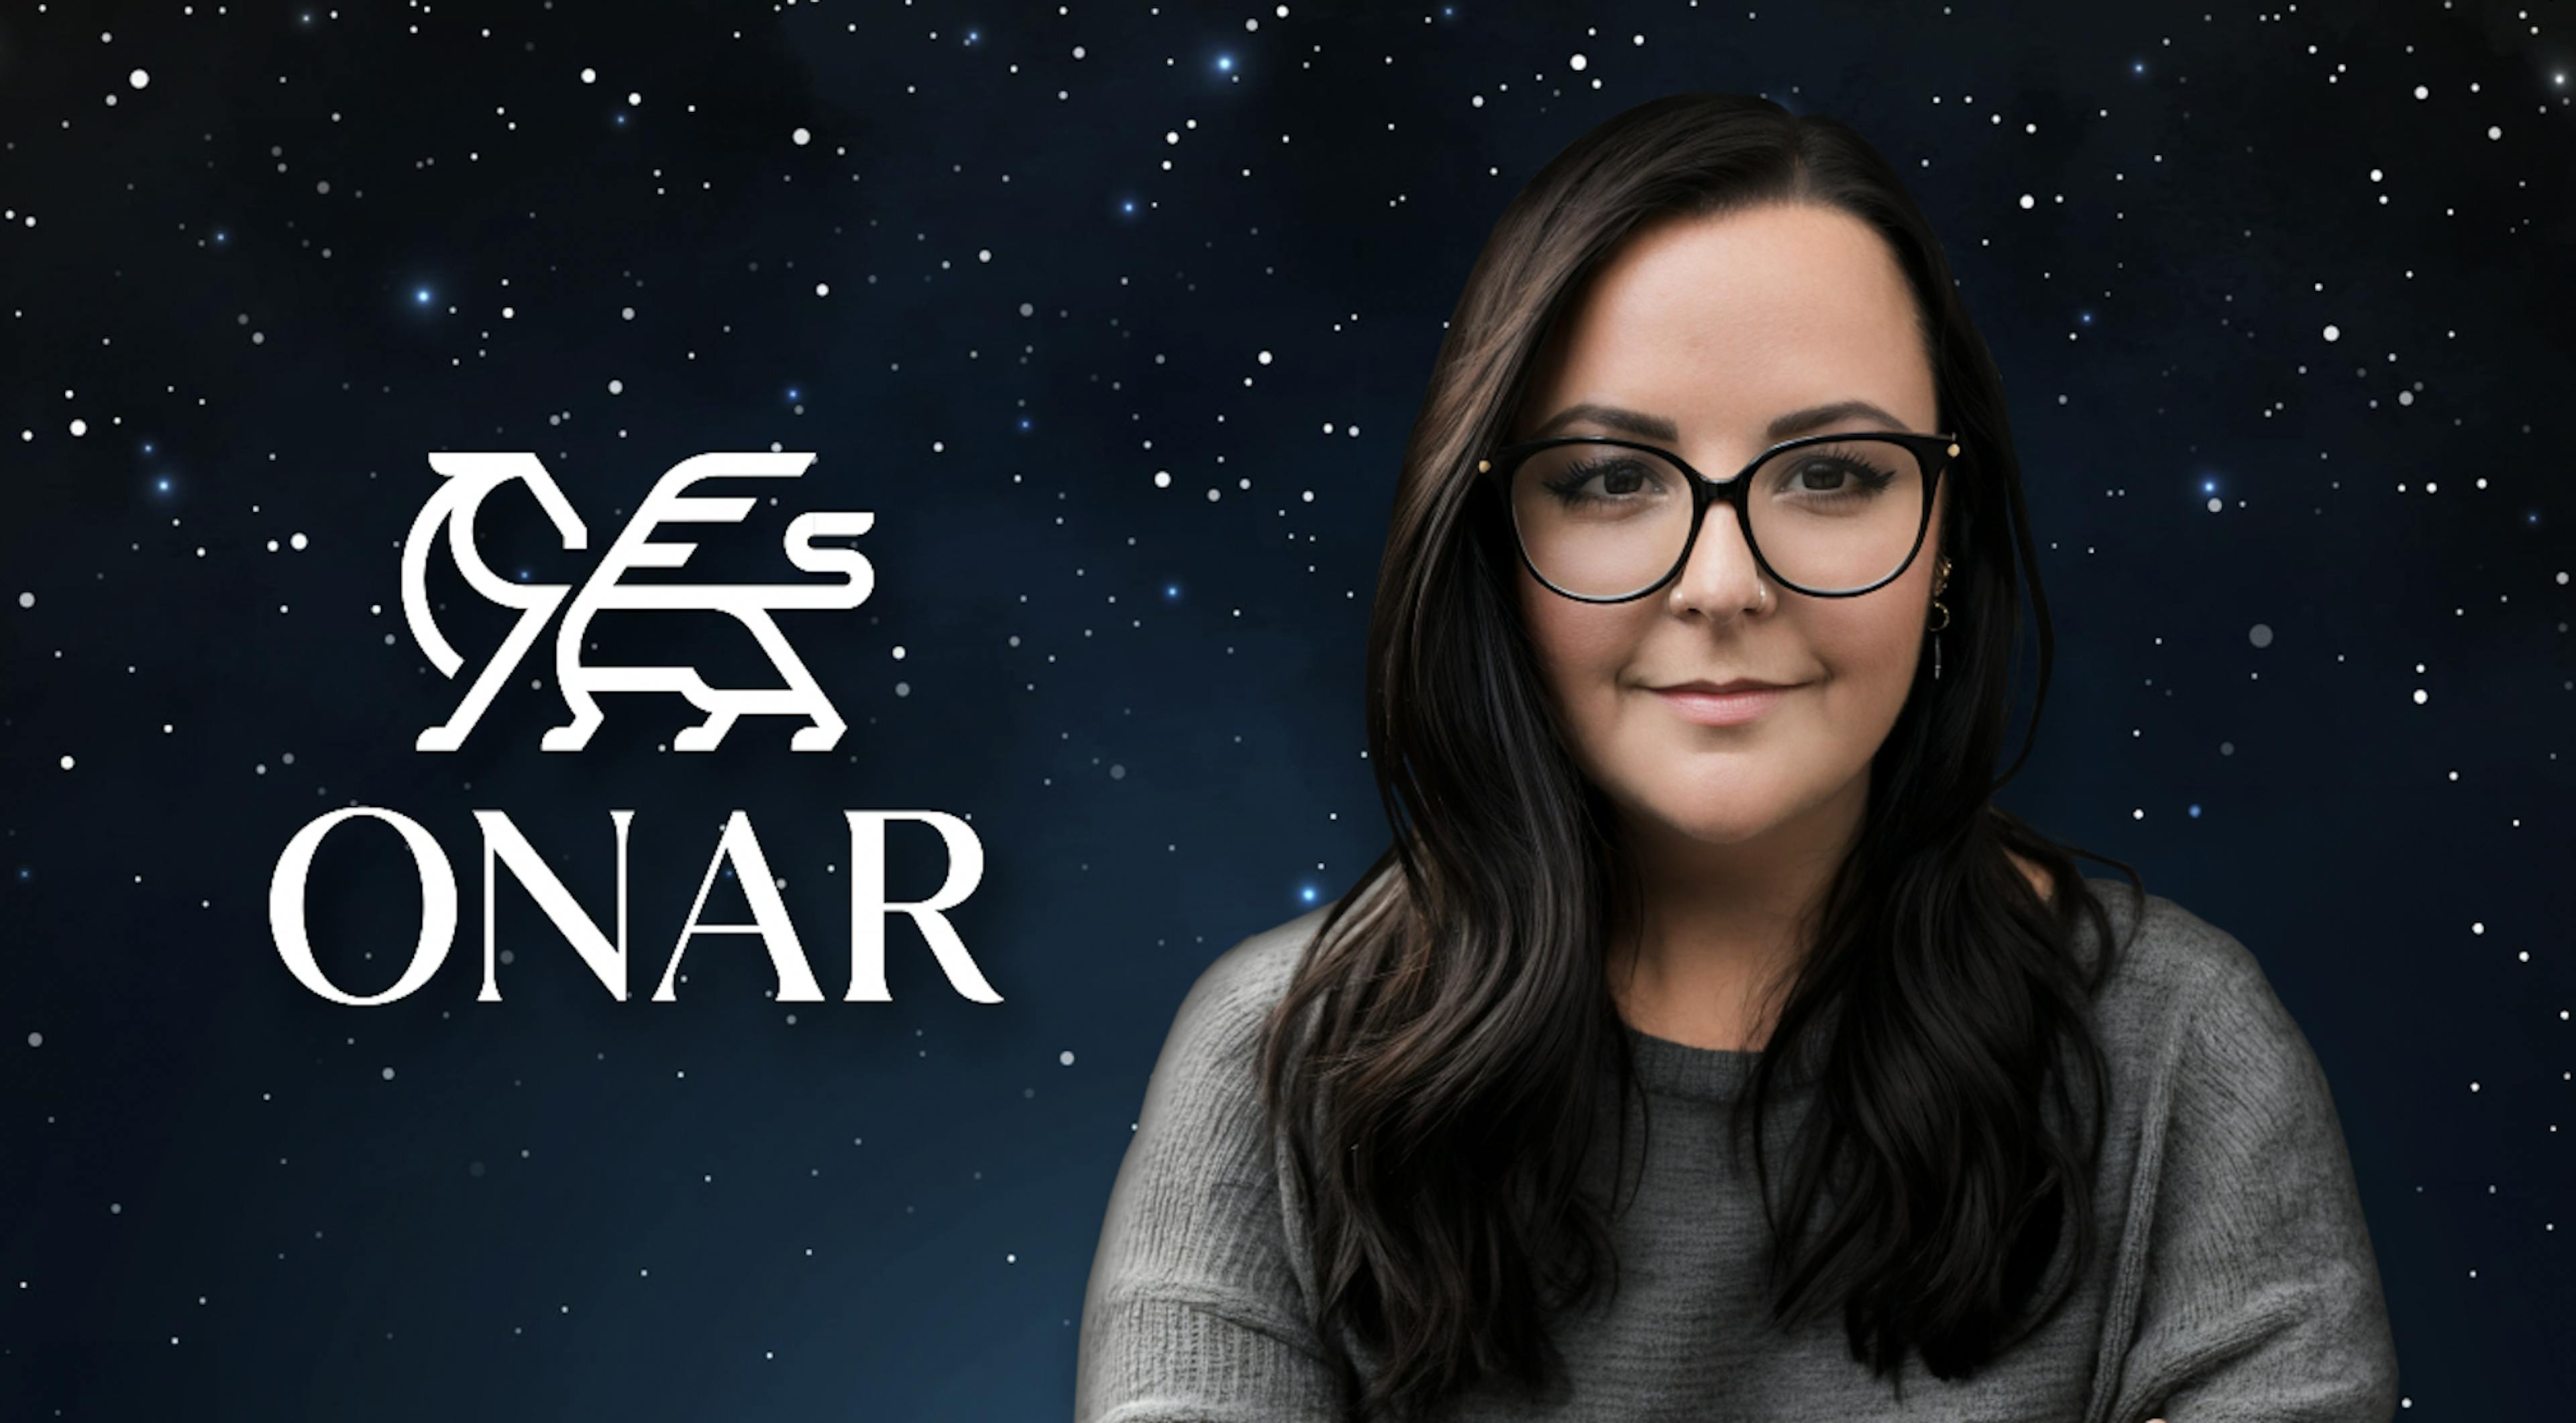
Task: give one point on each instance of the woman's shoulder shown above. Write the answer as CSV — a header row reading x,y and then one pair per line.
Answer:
x,y
1216,1033
1230,1003
1249,979
2166,949
2183,992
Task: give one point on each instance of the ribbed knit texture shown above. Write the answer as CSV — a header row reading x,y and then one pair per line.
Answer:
x,y
2233,1277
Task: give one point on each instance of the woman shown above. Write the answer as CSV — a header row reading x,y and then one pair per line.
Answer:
x,y
1467,1142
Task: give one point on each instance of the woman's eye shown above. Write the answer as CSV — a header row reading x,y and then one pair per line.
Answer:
x,y
1835,476
1612,479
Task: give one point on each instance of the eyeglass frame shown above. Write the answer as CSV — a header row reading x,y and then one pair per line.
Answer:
x,y
1933,452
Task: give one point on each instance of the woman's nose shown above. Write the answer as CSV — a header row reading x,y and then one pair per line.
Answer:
x,y
1720,574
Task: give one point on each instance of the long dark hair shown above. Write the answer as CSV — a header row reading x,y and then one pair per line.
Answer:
x,y
1438,1047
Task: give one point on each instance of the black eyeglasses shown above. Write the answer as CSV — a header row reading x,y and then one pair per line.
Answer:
x,y
1606,520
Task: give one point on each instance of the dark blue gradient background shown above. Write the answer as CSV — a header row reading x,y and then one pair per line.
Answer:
x,y
2329,716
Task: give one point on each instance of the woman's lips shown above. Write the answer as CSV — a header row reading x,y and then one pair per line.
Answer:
x,y
1724,708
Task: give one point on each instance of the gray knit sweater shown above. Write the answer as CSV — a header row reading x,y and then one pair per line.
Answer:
x,y
2233,1277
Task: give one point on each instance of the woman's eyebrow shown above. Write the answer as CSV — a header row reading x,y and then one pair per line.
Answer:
x,y
1656,427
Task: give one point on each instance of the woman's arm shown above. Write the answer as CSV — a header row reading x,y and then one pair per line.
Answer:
x,y
2261,1298
1193,1313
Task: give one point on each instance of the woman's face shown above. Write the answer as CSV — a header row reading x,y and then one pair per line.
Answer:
x,y
1721,325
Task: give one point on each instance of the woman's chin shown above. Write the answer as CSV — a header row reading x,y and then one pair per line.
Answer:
x,y
1696,824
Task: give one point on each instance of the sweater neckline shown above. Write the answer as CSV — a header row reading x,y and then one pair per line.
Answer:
x,y
1674,1069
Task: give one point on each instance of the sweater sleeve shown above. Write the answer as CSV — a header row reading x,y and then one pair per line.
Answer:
x,y
1193,1313
2262,1296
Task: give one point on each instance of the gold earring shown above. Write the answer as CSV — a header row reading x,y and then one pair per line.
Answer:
x,y
1940,580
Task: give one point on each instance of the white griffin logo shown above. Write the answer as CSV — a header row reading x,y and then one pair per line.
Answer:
x,y
474,475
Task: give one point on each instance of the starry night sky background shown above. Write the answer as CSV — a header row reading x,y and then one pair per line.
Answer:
x,y
2281,297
